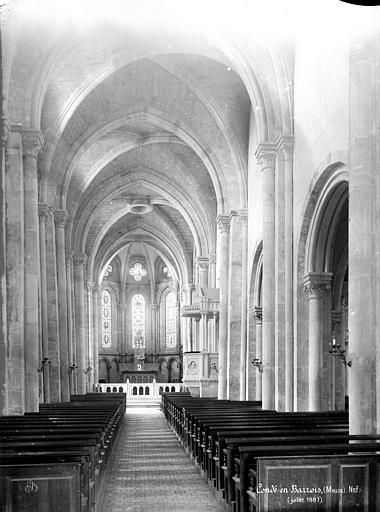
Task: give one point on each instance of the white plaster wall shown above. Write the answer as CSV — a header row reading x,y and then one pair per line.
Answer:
x,y
255,200
321,110
321,138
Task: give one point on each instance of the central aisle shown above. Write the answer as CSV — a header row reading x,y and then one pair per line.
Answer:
x,y
150,471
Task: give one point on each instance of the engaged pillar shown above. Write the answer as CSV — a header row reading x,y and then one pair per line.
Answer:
x,y
258,316
316,285
79,261
223,222
60,218
266,157
31,141
243,214
43,213
286,145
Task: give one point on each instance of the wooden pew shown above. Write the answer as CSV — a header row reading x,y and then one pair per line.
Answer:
x,y
341,483
241,425
31,482
77,435
248,457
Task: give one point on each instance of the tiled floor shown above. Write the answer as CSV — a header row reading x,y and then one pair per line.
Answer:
x,y
151,472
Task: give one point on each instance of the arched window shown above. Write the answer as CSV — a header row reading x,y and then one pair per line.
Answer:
x,y
171,320
106,319
138,321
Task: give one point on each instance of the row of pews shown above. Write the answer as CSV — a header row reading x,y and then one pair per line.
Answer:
x,y
55,459
267,461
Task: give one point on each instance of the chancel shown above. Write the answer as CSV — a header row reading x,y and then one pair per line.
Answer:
x,y
189,207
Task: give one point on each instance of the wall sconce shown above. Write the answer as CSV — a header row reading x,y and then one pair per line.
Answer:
x,y
213,366
45,361
88,370
257,363
340,353
72,367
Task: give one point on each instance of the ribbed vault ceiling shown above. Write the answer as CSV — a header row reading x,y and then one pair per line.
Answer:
x,y
129,111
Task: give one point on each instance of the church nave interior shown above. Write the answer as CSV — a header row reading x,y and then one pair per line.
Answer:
x,y
189,203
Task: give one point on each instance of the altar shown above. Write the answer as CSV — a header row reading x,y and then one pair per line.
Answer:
x,y
138,367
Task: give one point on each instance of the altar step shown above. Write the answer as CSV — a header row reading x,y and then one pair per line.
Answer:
x,y
143,401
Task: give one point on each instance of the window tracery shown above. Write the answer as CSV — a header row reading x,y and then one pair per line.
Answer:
x,y
171,319
138,271
138,321
106,319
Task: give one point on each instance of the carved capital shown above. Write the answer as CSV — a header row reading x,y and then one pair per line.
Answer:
x,y
79,259
90,285
43,212
223,222
285,143
243,214
316,284
60,218
266,155
257,313
202,262
233,213
32,142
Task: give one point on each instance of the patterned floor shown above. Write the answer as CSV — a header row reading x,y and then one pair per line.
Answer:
x,y
150,471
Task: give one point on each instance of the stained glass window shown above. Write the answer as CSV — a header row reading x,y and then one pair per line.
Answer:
x,y
106,319
138,271
171,320
108,271
138,321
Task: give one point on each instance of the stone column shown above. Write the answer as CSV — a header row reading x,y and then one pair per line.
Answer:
x,y
235,286
203,338
243,214
31,141
124,330
96,334
212,271
316,285
4,126
212,343
286,144
52,308
258,315
70,324
43,212
79,261
364,250
203,265
266,157
90,348
223,222
14,196
154,310
61,217
196,338
338,368
186,331
178,323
